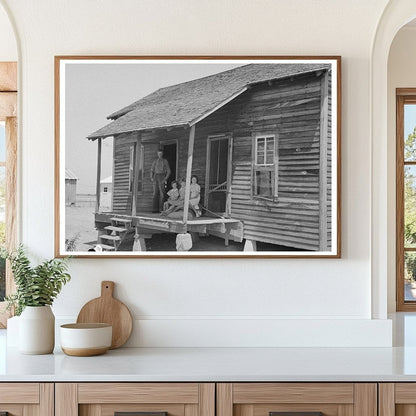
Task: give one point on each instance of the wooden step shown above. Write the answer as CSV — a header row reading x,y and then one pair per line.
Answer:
x,y
105,247
123,220
110,237
116,229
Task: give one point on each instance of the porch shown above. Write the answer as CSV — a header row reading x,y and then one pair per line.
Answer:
x,y
114,228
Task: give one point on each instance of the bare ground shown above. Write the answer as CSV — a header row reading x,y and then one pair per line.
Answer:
x,y
80,225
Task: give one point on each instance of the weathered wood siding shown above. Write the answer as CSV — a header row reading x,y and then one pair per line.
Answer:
x,y
70,191
122,197
329,159
289,109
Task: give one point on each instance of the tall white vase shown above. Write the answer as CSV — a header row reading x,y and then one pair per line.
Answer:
x,y
37,330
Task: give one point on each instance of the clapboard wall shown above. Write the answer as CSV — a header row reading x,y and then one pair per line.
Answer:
x,y
121,154
290,109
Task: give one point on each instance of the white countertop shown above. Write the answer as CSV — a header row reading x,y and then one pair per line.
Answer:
x,y
215,364
222,364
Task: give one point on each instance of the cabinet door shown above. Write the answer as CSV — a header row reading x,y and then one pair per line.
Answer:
x,y
297,399
397,399
26,399
142,399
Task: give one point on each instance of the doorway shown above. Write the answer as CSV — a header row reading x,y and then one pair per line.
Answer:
x,y
170,153
217,189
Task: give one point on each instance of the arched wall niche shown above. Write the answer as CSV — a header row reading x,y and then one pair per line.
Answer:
x,y
396,15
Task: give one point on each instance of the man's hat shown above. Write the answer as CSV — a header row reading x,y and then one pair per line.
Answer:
x,y
160,149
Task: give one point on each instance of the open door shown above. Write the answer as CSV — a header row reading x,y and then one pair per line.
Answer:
x,y
170,151
218,177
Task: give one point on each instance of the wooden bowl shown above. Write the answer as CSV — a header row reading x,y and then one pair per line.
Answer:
x,y
84,340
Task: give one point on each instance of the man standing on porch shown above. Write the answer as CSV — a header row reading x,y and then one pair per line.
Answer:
x,y
159,174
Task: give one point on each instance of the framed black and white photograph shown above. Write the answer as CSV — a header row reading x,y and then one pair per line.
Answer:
x,y
197,156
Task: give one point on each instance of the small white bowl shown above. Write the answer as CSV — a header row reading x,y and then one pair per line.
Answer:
x,y
84,340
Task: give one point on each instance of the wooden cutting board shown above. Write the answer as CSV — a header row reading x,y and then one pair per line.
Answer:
x,y
107,309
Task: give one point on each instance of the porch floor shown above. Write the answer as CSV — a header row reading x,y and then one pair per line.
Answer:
x,y
159,218
201,220
147,223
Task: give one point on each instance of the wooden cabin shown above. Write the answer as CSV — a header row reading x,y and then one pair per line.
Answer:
x,y
259,139
70,187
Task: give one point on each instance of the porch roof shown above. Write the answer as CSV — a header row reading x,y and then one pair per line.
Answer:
x,y
187,103
70,175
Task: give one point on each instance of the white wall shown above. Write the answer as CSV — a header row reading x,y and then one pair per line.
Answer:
x,y
8,47
401,74
224,301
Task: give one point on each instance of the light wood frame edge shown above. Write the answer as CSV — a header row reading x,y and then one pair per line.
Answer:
x,y
336,58
11,183
57,152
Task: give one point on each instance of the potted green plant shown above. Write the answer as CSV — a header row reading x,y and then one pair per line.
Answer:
x,y
36,289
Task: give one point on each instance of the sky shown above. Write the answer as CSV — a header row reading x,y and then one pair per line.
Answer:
x,y
95,90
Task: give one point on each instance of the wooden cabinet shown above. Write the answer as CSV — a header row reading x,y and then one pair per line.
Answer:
x,y
106,399
208,399
397,399
297,399
27,399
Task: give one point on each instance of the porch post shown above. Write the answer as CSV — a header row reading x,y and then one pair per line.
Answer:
x,y
98,190
188,175
136,175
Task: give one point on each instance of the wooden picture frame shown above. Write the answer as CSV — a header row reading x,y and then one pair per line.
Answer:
x,y
261,133
405,301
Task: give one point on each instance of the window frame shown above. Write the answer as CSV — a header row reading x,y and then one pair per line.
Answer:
x,y
403,96
268,167
132,157
140,173
8,113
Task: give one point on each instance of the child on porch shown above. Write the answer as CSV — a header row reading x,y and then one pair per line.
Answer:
x,y
195,195
178,202
173,195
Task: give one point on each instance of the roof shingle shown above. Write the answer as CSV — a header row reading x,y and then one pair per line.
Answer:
x,y
182,104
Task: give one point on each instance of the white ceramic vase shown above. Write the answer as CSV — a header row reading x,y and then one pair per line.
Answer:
x,y
12,334
37,330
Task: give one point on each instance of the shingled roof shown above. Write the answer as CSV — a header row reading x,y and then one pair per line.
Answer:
x,y
187,103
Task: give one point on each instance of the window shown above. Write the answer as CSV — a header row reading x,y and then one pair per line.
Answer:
x,y
406,200
140,174
131,167
265,167
105,190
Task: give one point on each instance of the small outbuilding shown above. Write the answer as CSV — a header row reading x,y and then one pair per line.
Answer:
x,y
70,187
106,193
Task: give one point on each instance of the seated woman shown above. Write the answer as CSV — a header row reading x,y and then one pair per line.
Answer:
x,y
195,195
173,195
